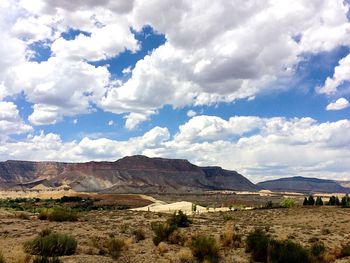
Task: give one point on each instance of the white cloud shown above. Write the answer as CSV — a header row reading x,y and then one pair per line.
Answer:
x,y
340,77
59,88
339,104
215,52
110,123
200,63
103,43
264,148
191,113
75,121
10,121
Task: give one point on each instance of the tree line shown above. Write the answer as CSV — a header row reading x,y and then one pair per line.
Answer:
x,y
333,200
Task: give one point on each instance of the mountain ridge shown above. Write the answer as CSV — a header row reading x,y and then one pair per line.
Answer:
x,y
302,184
130,174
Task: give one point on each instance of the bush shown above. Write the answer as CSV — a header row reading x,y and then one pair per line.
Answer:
x,y
287,252
179,220
40,259
230,238
205,248
62,214
345,250
2,258
139,235
50,244
269,204
185,256
317,252
23,216
263,248
178,237
257,243
287,202
44,214
115,246
162,232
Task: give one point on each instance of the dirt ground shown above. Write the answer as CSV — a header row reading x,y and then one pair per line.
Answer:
x,y
328,224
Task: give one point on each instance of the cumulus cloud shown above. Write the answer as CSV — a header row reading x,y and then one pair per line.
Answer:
x,y
59,88
339,104
10,121
221,53
260,148
212,54
340,79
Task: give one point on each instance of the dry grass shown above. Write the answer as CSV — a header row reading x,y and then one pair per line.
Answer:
x,y
332,227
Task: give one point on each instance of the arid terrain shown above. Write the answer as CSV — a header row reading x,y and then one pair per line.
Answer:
x,y
304,225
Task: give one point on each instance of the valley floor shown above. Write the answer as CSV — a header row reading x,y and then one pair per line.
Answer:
x,y
301,224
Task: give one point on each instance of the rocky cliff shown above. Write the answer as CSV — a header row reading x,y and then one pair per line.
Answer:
x,y
135,174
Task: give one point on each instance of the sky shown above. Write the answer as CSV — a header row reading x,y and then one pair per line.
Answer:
x,y
260,87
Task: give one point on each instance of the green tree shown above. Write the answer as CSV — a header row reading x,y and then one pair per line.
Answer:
x,y
337,201
311,200
305,201
331,200
319,201
345,201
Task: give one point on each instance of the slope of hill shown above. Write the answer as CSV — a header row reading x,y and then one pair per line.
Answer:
x,y
303,185
134,174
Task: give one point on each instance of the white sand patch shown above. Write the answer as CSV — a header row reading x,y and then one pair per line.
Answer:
x,y
184,206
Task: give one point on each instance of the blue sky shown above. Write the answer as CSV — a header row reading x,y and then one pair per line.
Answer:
x,y
251,88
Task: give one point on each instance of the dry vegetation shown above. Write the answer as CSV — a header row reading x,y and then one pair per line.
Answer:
x,y
107,235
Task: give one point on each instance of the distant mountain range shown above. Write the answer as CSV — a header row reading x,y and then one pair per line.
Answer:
x,y
141,174
134,174
305,185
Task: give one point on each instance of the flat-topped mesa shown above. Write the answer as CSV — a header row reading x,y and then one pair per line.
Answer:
x,y
160,164
132,174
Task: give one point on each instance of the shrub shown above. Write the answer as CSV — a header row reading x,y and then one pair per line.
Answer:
x,y
230,238
139,235
263,248
269,204
317,251
179,220
287,252
162,232
49,244
257,243
287,202
44,214
185,256
72,199
345,250
40,259
115,246
177,237
2,258
62,214
23,216
205,248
